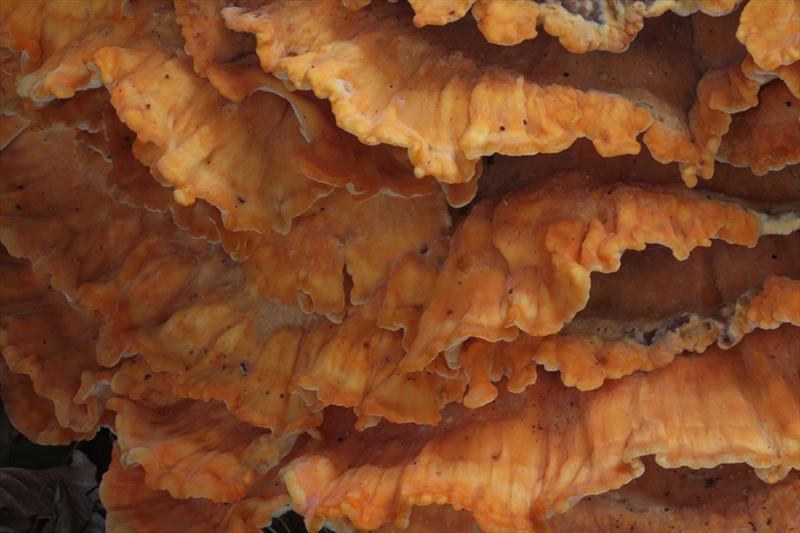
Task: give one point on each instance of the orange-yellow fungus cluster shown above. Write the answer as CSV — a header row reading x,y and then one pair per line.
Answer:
x,y
352,258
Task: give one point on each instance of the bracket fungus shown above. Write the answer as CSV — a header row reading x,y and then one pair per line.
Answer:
x,y
353,259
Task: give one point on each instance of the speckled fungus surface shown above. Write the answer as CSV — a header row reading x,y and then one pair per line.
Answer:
x,y
355,259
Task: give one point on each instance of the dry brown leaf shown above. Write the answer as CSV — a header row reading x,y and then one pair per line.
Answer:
x,y
57,499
